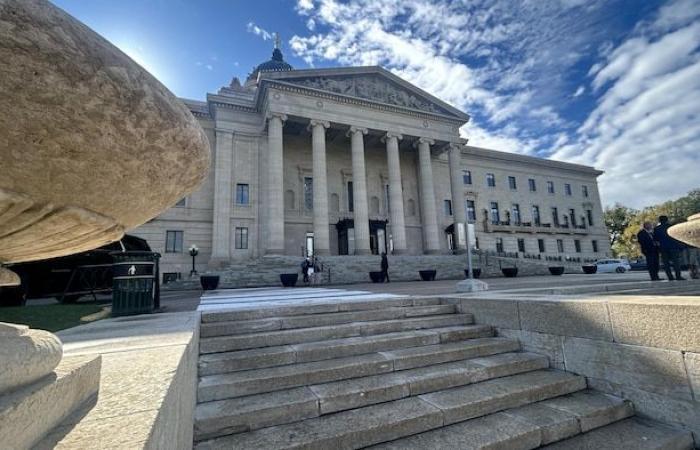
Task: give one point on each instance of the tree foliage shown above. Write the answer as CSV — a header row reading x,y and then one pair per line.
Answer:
x,y
624,223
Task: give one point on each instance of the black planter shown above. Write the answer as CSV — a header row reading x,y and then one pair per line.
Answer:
x,y
475,272
556,270
376,277
209,282
289,279
427,275
510,272
589,269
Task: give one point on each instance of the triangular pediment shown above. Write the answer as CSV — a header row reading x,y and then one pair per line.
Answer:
x,y
368,83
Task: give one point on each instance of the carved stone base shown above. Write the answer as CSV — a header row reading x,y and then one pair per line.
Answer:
x,y
26,355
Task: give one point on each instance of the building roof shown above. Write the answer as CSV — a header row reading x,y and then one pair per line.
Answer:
x,y
274,64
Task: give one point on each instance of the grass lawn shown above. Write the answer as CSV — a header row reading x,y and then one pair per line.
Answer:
x,y
49,317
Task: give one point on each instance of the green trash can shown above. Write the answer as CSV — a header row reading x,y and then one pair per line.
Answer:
x,y
134,282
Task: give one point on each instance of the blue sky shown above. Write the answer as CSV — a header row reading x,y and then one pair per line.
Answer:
x,y
614,84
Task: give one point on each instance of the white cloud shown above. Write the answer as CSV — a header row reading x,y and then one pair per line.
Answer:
x,y
256,30
579,91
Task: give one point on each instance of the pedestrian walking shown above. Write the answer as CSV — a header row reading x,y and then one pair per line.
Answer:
x,y
668,248
650,249
305,265
385,268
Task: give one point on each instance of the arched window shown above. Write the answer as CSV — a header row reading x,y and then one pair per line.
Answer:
x,y
411,207
374,206
289,199
335,203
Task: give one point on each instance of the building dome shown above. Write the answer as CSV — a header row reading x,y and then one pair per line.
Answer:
x,y
275,64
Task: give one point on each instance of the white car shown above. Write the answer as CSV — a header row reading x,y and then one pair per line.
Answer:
x,y
613,265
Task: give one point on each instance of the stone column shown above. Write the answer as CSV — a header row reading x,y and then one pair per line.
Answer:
x,y
359,190
398,227
275,185
318,145
427,198
223,191
458,211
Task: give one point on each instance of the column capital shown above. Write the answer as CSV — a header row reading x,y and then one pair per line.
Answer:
x,y
423,141
281,116
354,129
391,134
315,122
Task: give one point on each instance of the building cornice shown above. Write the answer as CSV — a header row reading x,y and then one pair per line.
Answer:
x,y
497,155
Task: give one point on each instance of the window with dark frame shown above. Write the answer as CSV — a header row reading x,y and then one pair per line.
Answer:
x,y
594,244
516,214
495,214
467,176
589,216
532,184
567,189
555,216
448,207
560,246
550,187
584,190
173,241
242,194
308,193
471,211
512,183
351,205
521,245
540,245
241,238
536,219
490,180
577,245
499,245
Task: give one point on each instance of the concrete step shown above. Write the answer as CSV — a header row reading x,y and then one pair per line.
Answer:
x,y
630,434
27,414
524,428
404,358
248,382
262,311
223,417
399,418
229,328
302,335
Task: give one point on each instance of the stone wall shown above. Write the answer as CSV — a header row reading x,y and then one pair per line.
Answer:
x,y
645,349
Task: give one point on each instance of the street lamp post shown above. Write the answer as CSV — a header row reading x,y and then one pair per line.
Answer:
x,y
470,284
194,251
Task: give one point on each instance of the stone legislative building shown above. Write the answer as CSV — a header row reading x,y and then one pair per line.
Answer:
x,y
357,161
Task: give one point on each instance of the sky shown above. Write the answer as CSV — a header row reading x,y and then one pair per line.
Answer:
x,y
614,84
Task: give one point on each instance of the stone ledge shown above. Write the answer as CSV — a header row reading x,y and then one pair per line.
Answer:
x,y
148,383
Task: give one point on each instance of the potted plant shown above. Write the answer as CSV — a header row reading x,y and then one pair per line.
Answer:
x,y
289,279
209,282
376,277
475,272
427,275
589,268
556,270
509,272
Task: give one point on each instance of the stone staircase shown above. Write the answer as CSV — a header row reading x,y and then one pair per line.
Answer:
x,y
400,373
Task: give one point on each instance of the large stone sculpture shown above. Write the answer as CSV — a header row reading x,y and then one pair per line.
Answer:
x,y
688,232
91,145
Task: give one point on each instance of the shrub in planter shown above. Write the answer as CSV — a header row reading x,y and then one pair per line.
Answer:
x,y
289,279
589,268
556,270
476,273
376,277
510,272
427,275
209,282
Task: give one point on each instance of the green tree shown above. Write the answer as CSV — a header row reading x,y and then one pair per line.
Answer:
x,y
617,218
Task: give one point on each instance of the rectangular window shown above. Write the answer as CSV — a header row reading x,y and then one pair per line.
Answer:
x,y
567,189
308,193
577,245
594,244
516,214
242,194
173,241
533,186
169,277
555,216
536,220
350,197
572,217
467,176
448,207
495,216
512,183
540,244
560,246
589,216
550,187
499,245
241,238
584,191
521,245
471,211
490,180
181,203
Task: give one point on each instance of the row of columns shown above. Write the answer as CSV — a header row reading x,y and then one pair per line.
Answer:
x,y
275,210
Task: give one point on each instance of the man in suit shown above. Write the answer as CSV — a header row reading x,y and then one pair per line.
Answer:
x,y
645,237
668,248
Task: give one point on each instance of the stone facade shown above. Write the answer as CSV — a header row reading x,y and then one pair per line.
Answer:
x,y
370,141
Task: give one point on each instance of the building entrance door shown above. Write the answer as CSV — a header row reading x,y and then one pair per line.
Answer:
x,y
346,236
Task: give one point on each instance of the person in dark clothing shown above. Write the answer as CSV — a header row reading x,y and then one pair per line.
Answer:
x,y
305,269
645,237
668,248
385,267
